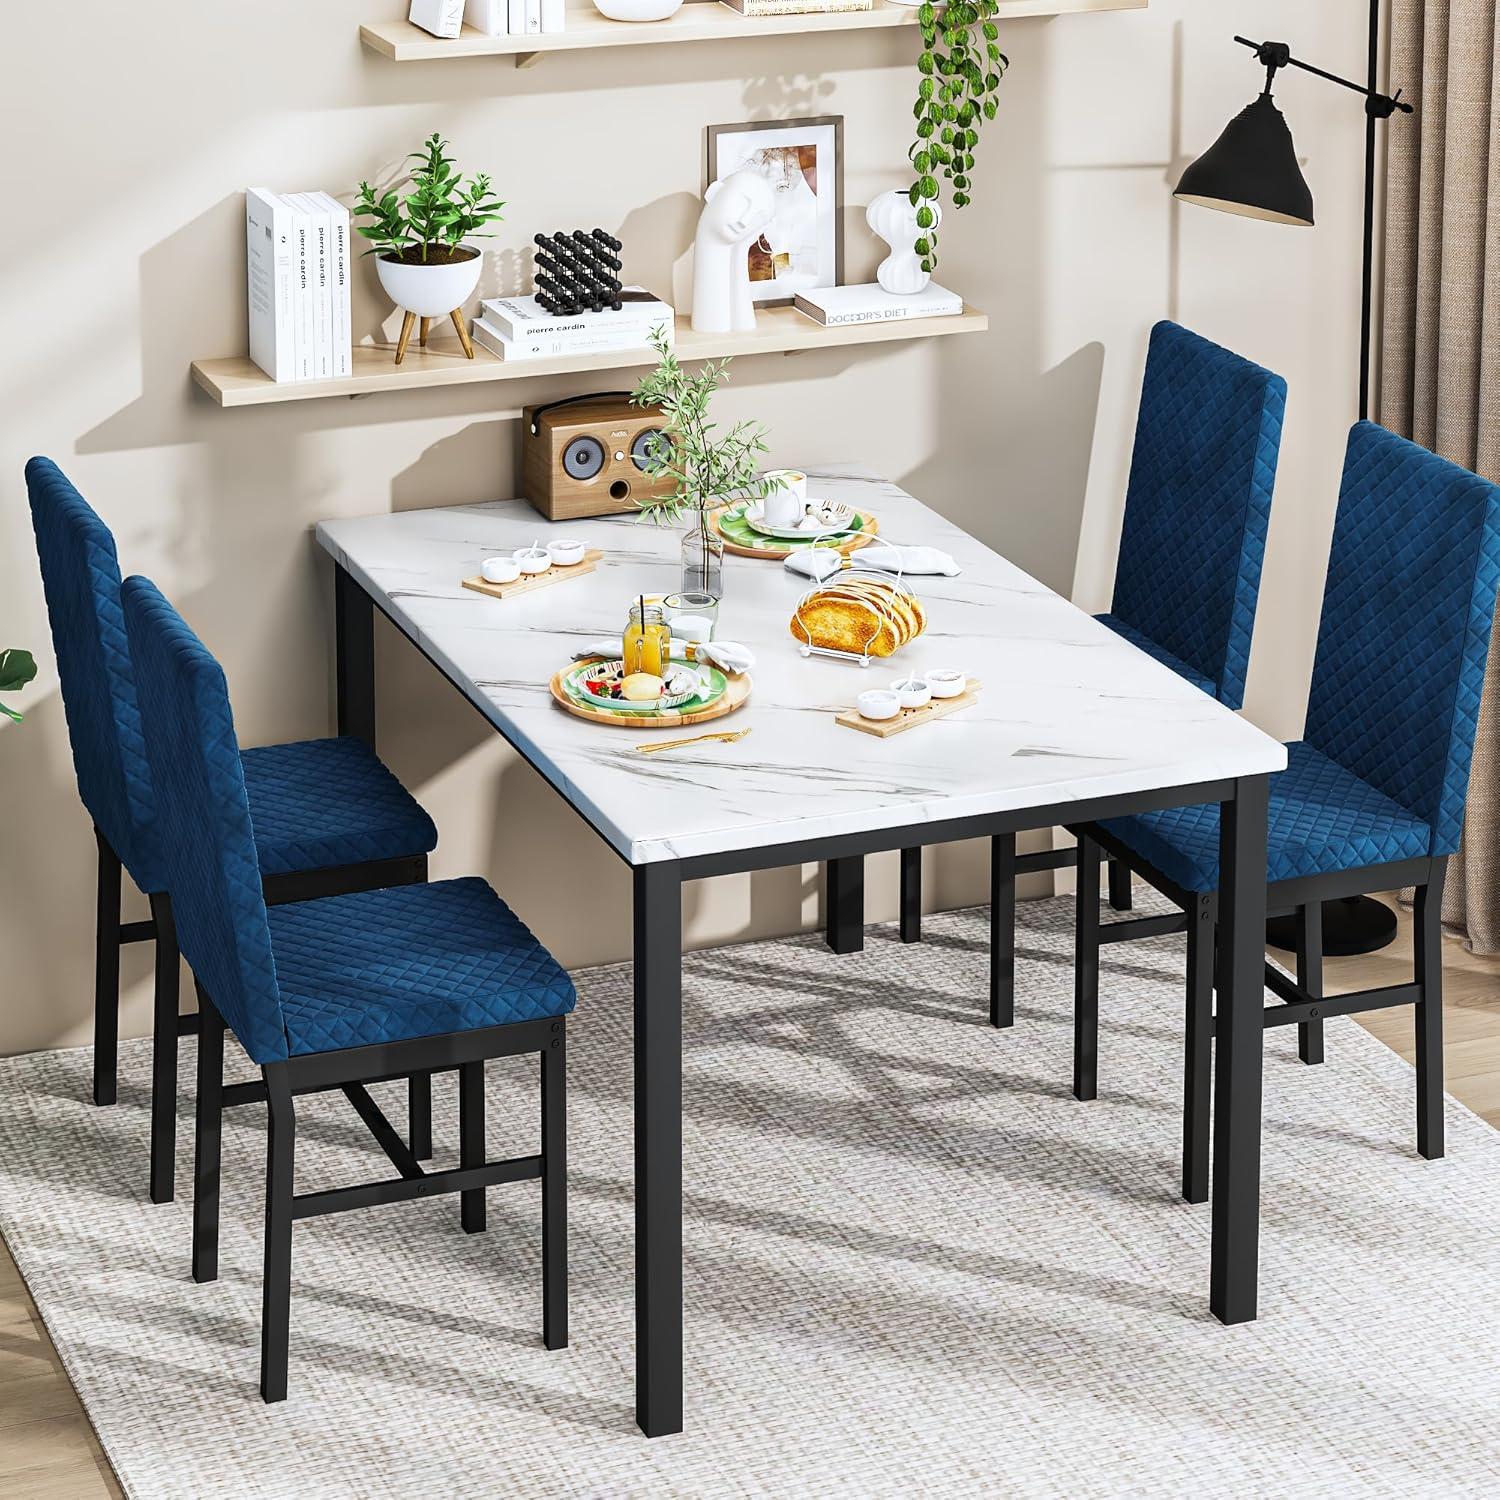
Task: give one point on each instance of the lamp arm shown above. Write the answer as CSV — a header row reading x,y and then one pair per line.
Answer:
x,y
1274,55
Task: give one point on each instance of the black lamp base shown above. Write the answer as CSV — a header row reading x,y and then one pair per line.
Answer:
x,y
1353,924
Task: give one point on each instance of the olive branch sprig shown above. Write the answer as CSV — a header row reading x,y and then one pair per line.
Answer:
x,y
960,69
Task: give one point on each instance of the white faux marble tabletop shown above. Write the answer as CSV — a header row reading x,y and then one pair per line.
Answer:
x,y
1068,710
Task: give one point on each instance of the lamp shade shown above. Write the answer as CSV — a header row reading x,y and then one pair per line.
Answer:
x,y
1251,170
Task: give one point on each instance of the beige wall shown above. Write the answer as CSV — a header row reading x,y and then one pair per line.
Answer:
x,y
131,130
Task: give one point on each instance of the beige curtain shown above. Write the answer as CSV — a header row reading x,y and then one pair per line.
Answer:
x,y
1440,335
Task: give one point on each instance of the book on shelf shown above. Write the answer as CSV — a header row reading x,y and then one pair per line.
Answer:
x,y
542,346
525,318
796,7
837,306
488,17
503,17
299,263
444,18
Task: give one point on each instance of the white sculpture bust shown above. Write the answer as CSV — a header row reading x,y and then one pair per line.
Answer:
x,y
736,210
893,218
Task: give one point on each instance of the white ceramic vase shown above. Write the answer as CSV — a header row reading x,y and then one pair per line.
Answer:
x,y
638,10
893,218
430,291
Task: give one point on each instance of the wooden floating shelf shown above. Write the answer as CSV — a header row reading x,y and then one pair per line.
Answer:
x,y
695,22
778,330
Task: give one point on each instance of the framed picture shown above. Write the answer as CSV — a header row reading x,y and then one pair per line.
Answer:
x,y
804,162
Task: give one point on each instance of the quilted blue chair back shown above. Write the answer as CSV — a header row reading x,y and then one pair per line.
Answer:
x,y
81,579
203,817
1407,612
1206,442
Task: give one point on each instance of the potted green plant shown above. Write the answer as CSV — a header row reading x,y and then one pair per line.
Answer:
x,y
17,668
959,72
421,241
708,466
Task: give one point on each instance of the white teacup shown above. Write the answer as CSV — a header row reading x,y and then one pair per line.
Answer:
x,y
786,503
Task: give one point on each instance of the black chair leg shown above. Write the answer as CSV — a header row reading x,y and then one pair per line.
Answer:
x,y
911,895
164,1053
276,1289
106,972
1310,977
1086,973
1199,1034
1003,930
419,1115
1427,935
555,1190
206,1141
1119,885
471,1210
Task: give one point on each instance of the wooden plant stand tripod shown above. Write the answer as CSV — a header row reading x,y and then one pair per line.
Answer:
x,y
410,321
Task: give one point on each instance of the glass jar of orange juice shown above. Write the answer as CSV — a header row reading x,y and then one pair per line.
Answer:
x,y
647,645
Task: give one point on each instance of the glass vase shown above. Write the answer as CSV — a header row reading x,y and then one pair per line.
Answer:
x,y
702,559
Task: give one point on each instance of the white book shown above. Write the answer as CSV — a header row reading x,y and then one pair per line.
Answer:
x,y
443,18
525,17
554,17
488,17
302,288
542,347
268,267
525,317
340,280
516,17
533,17
834,306
322,259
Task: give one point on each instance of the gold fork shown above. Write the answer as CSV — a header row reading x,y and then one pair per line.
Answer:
x,y
727,736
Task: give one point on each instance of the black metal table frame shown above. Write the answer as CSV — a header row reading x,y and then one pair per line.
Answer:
x,y
1233,1269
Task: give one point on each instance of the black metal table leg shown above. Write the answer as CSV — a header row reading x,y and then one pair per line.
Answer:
x,y
354,670
1086,973
844,904
1239,1042
658,1148
1003,929
911,895
106,972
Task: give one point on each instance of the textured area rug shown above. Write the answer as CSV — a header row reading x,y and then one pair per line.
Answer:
x,y
914,1264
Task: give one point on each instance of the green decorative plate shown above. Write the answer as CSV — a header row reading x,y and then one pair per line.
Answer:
x,y
744,540
572,684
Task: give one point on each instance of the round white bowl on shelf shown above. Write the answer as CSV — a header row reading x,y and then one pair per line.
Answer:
x,y
638,10
430,291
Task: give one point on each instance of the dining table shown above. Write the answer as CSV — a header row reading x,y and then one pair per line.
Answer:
x,y
1072,724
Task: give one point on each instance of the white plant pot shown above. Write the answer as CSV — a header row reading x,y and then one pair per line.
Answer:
x,y
430,291
893,218
638,10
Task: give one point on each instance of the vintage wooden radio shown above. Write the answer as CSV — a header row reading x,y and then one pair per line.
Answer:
x,y
587,456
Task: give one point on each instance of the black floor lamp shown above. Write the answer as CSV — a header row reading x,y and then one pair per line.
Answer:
x,y
1252,170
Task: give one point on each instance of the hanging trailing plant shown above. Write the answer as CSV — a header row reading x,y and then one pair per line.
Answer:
x,y
960,71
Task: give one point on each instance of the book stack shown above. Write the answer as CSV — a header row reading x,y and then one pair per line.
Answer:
x,y
513,17
299,262
797,7
836,306
515,328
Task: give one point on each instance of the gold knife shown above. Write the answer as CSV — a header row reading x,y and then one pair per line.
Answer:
x,y
727,736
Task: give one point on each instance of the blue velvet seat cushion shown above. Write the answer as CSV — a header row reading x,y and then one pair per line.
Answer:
x,y
319,803
1321,818
409,961
1144,642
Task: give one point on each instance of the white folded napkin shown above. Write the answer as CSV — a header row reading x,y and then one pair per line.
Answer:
x,y
816,563
727,656
912,560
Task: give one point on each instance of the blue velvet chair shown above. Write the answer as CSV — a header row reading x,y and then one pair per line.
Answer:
x,y
1373,795
335,993
328,816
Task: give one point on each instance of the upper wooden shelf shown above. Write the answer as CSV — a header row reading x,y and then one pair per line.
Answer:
x,y
697,21
778,330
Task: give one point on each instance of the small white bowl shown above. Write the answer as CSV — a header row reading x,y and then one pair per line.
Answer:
x,y
500,569
533,559
567,552
878,704
946,682
912,692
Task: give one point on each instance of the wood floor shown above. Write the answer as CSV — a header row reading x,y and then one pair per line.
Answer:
x,y
48,1450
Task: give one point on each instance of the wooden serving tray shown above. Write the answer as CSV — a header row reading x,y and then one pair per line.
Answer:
x,y
909,718
528,581
775,552
735,695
